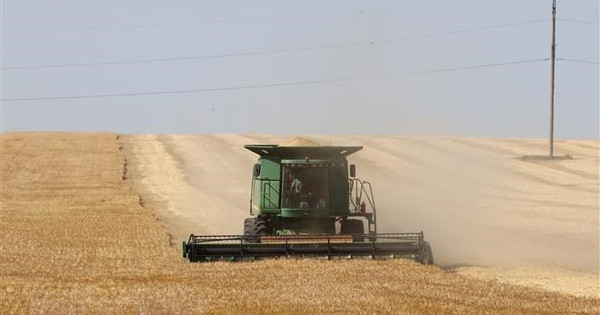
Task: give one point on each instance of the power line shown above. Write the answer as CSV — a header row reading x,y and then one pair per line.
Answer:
x,y
261,52
579,21
281,84
578,61
235,20
153,60
489,27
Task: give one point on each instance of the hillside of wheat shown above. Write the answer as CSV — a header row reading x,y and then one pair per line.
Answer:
x,y
87,225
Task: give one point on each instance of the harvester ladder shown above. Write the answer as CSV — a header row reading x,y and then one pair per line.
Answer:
x,y
358,189
267,192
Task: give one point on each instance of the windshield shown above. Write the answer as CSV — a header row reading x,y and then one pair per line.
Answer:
x,y
305,187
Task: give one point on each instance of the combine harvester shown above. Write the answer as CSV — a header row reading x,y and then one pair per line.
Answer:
x,y
307,202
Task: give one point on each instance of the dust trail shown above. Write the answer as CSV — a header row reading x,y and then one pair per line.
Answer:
x,y
485,212
476,202
476,209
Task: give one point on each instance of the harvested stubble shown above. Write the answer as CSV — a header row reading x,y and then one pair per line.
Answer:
x,y
74,239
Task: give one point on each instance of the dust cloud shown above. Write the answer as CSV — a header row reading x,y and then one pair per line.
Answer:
x,y
451,198
487,213
477,203
479,207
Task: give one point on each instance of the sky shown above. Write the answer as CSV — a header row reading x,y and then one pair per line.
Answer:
x,y
455,68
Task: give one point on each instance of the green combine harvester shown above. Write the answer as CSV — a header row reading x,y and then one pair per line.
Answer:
x,y
307,202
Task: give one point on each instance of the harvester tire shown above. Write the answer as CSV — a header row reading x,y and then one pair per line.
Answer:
x,y
248,226
261,226
256,227
428,259
249,230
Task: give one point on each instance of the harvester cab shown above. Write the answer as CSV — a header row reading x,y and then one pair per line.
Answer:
x,y
307,201
307,190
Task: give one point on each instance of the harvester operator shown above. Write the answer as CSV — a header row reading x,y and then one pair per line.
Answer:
x,y
296,186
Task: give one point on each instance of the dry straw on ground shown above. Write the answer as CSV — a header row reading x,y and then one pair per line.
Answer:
x,y
74,239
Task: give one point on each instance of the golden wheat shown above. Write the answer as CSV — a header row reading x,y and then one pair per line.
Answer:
x,y
74,239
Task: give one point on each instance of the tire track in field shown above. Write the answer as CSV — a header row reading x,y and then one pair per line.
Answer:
x,y
576,143
564,169
532,177
549,203
449,172
481,146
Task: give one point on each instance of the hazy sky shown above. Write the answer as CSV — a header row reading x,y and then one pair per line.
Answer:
x,y
361,65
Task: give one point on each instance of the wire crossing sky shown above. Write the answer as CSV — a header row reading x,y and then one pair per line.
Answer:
x,y
278,84
247,19
468,68
370,42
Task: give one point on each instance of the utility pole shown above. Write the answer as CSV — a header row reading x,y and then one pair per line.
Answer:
x,y
552,79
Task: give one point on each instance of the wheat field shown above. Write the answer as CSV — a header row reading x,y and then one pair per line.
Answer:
x,y
75,238
488,208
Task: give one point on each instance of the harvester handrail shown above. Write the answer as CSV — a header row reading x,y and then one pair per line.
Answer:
x,y
367,190
359,192
267,184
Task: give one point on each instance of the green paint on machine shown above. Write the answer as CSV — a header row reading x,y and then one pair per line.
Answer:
x,y
302,189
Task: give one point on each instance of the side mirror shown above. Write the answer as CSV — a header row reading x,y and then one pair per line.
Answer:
x,y
352,170
256,172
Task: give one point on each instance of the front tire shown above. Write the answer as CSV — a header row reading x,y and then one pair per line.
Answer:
x,y
261,226
249,235
255,227
248,226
